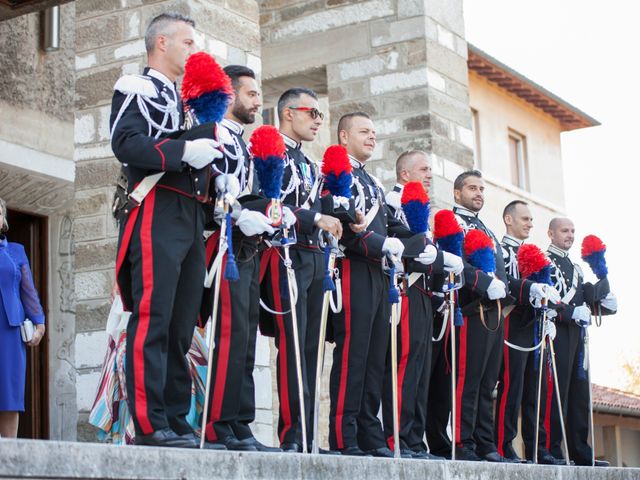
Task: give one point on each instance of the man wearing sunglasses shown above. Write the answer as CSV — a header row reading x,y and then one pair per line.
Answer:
x,y
300,119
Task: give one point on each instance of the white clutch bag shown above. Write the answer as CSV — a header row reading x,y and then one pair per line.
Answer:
x,y
26,331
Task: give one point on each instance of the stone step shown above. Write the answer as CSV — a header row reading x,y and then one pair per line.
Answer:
x,y
33,459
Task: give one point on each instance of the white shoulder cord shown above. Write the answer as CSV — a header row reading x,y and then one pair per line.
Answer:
x,y
169,110
361,200
294,181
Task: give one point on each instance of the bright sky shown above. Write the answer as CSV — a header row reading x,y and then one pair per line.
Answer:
x,y
586,52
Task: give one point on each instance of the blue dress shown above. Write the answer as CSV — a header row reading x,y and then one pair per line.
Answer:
x,y
18,300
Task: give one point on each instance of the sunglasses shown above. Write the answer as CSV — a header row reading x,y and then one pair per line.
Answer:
x,y
314,112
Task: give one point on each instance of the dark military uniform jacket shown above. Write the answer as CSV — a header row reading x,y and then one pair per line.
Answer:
x,y
523,314
476,282
145,116
368,194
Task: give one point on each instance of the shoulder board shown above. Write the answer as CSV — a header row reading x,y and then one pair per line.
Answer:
x,y
136,85
393,200
224,134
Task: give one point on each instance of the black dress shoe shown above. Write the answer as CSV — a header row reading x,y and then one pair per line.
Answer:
x,y
261,447
232,443
291,447
514,459
214,446
548,459
354,452
424,455
165,438
382,452
495,457
598,463
467,455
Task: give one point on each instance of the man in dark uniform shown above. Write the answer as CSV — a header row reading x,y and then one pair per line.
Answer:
x,y
571,349
479,342
415,329
161,250
361,329
518,382
232,401
300,119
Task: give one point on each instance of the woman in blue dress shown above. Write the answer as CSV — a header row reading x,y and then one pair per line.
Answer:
x,y
18,300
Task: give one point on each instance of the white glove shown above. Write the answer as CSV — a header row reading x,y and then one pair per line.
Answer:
x,y
289,217
453,263
582,316
340,202
496,290
253,223
229,185
550,330
551,314
200,152
393,246
541,291
610,302
427,256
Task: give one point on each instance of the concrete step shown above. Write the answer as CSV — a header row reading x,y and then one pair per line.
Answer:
x,y
33,459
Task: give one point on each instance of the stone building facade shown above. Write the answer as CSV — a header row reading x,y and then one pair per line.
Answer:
x,y
404,62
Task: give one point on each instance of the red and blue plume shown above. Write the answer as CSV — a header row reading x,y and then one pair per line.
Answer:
x,y
533,264
447,232
415,205
267,148
478,249
206,88
336,169
593,253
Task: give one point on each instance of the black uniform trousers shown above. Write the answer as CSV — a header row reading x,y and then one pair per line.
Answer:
x,y
518,390
414,363
438,405
361,332
309,268
479,356
160,275
232,404
573,382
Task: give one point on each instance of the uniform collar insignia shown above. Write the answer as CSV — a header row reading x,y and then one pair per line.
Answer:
x,y
356,163
513,241
290,142
163,78
232,125
464,211
557,251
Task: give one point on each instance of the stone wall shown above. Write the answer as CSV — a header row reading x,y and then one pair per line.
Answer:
x,y
401,61
109,43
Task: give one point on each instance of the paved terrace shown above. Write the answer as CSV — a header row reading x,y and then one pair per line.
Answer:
x,y
32,459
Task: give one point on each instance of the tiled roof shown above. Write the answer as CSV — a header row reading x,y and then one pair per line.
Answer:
x,y
517,84
611,400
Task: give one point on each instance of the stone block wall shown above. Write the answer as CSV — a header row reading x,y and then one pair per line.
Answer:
x,y
401,61
109,42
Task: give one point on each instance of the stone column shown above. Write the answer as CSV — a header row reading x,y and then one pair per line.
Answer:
x,y
109,43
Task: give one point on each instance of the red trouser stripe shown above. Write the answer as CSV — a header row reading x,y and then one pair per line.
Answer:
x,y
344,367
124,247
223,346
548,403
285,407
462,372
505,390
144,314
